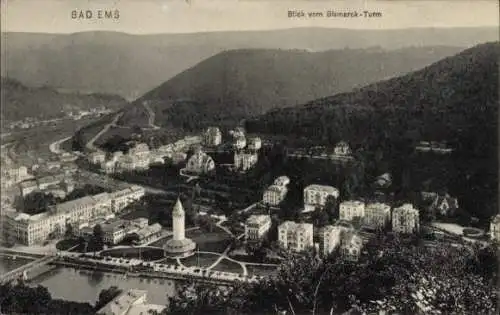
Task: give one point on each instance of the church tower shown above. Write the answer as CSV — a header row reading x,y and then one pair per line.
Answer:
x,y
178,221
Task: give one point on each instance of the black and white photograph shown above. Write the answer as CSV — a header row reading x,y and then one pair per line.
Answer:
x,y
249,157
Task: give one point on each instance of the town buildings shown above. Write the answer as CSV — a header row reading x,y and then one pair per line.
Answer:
x,y
114,232
274,195
443,204
12,174
330,238
256,227
405,219
97,157
348,210
296,237
434,147
244,161
179,245
130,302
342,148
240,142
377,215
495,228
238,132
212,137
254,143
62,182
200,163
33,229
316,196
351,246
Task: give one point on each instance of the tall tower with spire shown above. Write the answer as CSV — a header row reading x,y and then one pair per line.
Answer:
x,y
178,221
179,245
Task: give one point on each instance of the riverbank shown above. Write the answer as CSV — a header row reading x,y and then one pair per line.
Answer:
x,y
156,271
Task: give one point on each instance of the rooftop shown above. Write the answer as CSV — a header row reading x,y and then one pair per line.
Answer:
x,y
258,218
123,302
326,188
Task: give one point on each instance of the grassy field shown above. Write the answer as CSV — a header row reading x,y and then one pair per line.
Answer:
x,y
215,241
228,266
201,260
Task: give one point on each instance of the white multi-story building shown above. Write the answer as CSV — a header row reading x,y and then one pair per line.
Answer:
x,y
330,238
282,181
342,148
114,232
200,163
405,219
48,181
274,195
256,227
240,142
28,187
295,236
377,215
495,228
97,157
140,150
212,137
109,167
132,162
14,174
245,161
315,196
351,246
32,229
238,132
122,198
254,143
348,210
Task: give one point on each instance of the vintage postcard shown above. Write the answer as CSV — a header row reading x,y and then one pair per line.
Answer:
x,y
249,157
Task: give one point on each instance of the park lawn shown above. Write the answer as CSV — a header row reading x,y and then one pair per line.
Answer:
x,y
202,260
216,241
228,266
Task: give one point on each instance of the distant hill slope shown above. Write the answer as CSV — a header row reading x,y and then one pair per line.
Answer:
x,y
236,84
131,65
439,101
20,101
454,100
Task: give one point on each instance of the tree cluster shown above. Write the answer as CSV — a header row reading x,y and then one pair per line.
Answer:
x,y
393,275
23,299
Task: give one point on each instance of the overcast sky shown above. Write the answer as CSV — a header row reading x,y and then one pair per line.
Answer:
x,y
180,16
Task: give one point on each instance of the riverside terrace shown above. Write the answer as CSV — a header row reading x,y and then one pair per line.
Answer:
x,y
137,268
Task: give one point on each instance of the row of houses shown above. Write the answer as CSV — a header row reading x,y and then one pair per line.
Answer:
x,y
140,157
315,196
299,236
116,230
33,229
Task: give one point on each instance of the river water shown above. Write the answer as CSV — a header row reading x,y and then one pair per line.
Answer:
x,y
84,286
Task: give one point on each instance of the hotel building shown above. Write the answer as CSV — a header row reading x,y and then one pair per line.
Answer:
x,y
348,210
377,215
296,237
315,196
405,219
256,227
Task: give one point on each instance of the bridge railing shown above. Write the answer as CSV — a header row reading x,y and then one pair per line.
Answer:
x,y
28,266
